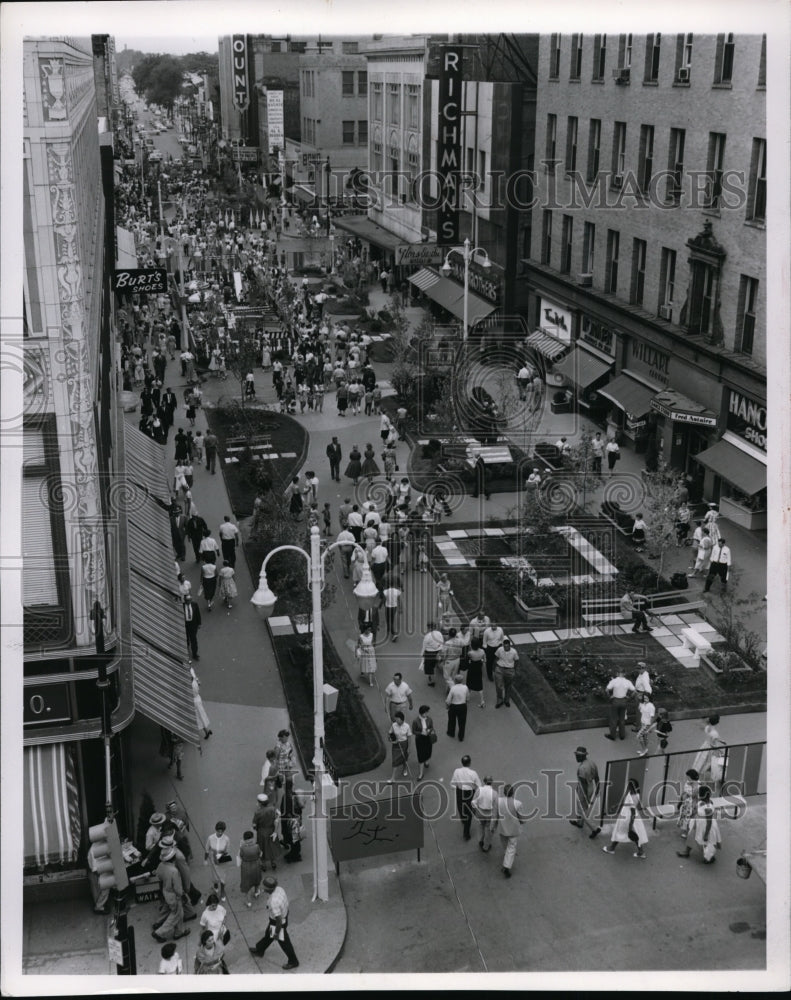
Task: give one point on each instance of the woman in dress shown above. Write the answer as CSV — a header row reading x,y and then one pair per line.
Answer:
x,y
629,826
270,776
366,654
227,589
249,861
638,533
216,853
710,521
688,802
451,658
444,593
354,468
705,828
475,659
422,729
342,399
357,563
370,468
266,355
399,737
208,572
284,754
200,711
209,956
712,741
213,918
389,460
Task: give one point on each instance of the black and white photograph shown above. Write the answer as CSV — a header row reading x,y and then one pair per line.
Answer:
x,y
395,490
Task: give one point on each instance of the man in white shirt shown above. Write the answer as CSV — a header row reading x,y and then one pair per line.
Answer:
x,y
597,449
354,523
457,699
720,565
398,693
478,624
392,599
371,514
523,380
484,806
346,540
563,447
229,539
465,781
277,905
509,822
534,480
492,640
619,689
379,558
506,659
433,644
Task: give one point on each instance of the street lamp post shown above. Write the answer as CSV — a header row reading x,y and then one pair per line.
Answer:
x,y
264,602
468,252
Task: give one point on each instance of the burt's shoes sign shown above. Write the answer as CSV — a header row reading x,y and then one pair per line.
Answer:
x,y
140,279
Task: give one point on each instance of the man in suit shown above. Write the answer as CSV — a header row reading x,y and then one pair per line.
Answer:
x,y
719,566
334,455
192,623
178,531
169,402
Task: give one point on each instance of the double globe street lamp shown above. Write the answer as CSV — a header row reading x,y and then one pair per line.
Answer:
x,y
468,253
263,600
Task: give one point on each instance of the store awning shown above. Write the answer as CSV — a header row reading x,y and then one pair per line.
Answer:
x,y
681,409
303,194
632,397
443,291
163,692
735,466
547,346
126,252
581,368
51,815
145,464
157,617
367,229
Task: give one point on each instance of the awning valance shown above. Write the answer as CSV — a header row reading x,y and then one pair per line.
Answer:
x,y
145,464
51,815
632,397
581,368
735,466
682,409
547,346
367,229
424,279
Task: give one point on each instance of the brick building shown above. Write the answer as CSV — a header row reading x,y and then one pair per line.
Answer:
x,y
647,247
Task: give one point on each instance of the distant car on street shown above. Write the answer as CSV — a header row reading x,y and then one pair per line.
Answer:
x,y
156,156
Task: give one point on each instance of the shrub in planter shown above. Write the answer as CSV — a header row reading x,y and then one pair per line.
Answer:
x,y
385,317
432,448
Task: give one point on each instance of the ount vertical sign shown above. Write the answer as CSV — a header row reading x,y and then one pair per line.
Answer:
x,y
241,90
449,155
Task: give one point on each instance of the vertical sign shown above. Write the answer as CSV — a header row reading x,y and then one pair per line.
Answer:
x,y
241,92
274,119
449,154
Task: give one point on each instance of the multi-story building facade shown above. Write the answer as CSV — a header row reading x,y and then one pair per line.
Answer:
x,y
647,246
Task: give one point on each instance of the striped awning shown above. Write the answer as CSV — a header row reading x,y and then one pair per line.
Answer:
x,y
163,691
547,346
151,559
51,815
157,618
424,279
582,368
145,464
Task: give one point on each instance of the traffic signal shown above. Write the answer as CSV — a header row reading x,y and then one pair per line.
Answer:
x,y
108,858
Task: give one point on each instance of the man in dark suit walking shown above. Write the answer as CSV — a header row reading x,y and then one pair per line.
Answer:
x,y
192,623
334,455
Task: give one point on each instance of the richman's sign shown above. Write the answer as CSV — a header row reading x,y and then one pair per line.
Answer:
x,y
140,279
449,145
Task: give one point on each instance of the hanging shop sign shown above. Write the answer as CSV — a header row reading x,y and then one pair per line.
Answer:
x,y
598,336
555,320
746,418
241,88
274,120
650,361
418,254
483,281
682,416
140,279
449,149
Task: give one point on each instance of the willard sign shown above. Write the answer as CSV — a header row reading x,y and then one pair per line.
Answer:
x,y
241,89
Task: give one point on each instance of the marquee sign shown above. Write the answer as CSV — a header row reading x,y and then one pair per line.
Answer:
x,y
419,254
274,119
140,279
241,88
449,152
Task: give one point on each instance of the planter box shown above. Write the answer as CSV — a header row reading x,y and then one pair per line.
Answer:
x,y
544,614
716,671
752,520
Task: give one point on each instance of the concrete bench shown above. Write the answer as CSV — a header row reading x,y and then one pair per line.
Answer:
x,y
695,641
601,619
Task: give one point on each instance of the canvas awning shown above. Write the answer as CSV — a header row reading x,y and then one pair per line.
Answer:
x,y
681,409
631,396
367,229
51,815
145,465
735,466
547,346
582,368
126,252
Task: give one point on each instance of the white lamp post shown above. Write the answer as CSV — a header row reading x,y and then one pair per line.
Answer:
x,y
263,600
467,252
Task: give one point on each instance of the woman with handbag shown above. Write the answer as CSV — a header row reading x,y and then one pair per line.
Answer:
x,y
209,960
425,737
399,737
213,919
629,826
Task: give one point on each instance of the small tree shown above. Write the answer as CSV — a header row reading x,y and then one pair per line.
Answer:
x,y
579,464
244,360
660,511
726,607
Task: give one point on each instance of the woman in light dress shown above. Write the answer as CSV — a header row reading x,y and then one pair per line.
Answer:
x,y
629,827
227,589
710,521
705,828
366,654
200,711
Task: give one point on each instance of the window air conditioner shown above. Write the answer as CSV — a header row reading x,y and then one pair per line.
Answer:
x,y
617,180
585,280
666,312
683,74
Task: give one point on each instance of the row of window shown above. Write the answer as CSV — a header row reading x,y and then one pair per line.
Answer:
x,y
354,83
646,164
654,46
348,129
394,93
703,285
309,130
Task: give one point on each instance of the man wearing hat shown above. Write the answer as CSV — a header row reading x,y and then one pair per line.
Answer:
x,y
277,905
190,895
175,815
484,806
172,888
264,821
534,479
585,792
154,831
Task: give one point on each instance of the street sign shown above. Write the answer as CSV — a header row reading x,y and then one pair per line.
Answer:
x,y
376,826
247,154
419,254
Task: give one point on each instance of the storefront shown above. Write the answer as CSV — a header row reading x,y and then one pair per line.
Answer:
x,y
628,417
449,296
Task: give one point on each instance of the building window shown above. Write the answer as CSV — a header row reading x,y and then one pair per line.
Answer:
x,y
638,271
667,283
723,63
701,298
552,137
546,238
625,52
394,104
362,132
554,57
745,320
575,70
646,159
347,83
412,108
675,165
611,274
588,247
481,179
350,48
376,157
714,168
362,82
376,104
527,239
652,50
594,148
762,64
571,144
756,198
413,166
618,153
683,58
566,244
297,46
599,56
348,133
